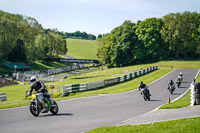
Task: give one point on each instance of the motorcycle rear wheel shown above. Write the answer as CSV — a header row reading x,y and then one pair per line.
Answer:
x,y
32,108
54,109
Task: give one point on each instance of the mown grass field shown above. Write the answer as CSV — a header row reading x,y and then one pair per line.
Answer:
x,y
190,125
82,49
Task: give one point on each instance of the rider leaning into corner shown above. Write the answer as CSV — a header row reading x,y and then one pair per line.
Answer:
x,y
145,87
39,88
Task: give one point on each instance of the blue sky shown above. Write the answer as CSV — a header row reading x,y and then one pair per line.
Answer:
x,y
94,16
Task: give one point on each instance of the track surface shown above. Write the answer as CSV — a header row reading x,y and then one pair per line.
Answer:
x,y
83,114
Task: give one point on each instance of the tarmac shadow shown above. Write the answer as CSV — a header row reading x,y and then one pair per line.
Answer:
x,y
181,87
59,114
155,100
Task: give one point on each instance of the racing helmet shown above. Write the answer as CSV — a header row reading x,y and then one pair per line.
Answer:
x,y
141,82
33,79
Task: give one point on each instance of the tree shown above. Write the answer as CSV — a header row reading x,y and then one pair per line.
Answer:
x,y
150,43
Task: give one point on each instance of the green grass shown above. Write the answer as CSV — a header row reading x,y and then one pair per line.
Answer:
x,y
179,64
82,49
37,66
190,125
183,102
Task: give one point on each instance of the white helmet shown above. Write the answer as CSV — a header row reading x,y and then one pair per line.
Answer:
x,y
33,78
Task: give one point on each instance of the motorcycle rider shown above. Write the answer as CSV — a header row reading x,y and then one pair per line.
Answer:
x,y
39,87
180,76
171,83
145,87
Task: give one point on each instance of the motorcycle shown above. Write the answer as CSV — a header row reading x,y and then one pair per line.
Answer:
x,y
145,94
171,89
178,82
41,104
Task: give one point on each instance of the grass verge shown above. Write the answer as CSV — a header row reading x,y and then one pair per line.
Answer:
x,y
190,125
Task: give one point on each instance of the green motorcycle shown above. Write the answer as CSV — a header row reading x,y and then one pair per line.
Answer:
x,y
41,104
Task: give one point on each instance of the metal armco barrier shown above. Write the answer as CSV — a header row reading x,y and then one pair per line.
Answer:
x,y
3,96
195,94
107,82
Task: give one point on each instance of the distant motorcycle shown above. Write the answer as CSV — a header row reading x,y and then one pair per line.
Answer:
x,y
171,89
178,82
41,104
145,94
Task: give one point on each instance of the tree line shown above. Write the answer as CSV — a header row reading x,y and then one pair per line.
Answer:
x,y
22,38
175,36
80,35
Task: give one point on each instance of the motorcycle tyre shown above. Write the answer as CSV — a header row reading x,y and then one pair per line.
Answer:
x,y
149,98
171,91
145,97
33,112
52,110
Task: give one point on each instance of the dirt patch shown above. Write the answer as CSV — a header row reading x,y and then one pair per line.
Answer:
x,y
4,81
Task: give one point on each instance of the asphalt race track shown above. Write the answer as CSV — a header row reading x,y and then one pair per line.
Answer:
x,y
83,114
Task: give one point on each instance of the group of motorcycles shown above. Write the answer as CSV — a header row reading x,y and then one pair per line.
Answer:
x,y
171,88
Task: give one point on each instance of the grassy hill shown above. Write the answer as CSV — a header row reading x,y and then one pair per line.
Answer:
x,y
82,49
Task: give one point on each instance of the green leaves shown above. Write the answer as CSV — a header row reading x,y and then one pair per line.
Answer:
x,y
24,39
174,36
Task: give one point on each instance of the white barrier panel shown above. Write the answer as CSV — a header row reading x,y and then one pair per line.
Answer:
x,y
83,86
67,89
192,95
3,96
94,85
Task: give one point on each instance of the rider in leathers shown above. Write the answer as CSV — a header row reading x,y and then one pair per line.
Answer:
x,y
171,83
39,87
144,86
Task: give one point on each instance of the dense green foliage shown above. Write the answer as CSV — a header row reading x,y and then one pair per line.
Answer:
x,y
80,35
175,36
23,39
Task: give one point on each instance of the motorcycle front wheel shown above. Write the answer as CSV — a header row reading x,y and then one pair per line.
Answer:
x,y
33,110
171,91
54,109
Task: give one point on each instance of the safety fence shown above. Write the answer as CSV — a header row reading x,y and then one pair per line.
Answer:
x,y
72,88
43,75
3,96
